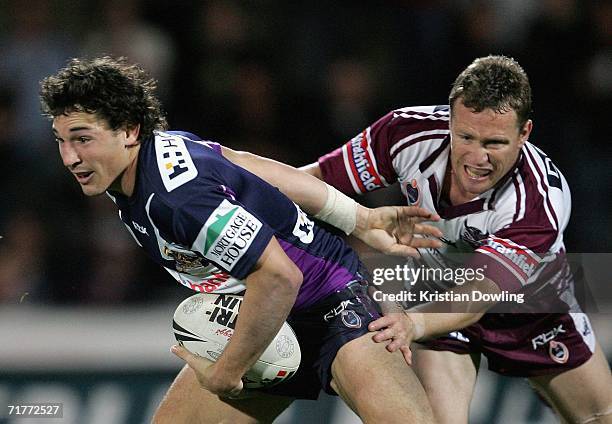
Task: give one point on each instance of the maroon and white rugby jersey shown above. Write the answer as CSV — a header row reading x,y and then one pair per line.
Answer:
x,y
514,231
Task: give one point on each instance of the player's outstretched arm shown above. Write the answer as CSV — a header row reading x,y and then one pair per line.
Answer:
x,y
390,230
399,328
304,189
272,288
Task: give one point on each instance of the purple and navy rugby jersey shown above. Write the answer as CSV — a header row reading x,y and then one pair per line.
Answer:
x,y
207,221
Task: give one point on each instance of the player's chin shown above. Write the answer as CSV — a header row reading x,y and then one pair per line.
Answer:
x,y
478,186
90,190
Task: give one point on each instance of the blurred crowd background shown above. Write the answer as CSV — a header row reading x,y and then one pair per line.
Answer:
x,y
289,80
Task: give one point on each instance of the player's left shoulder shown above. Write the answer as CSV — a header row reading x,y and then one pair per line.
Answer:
x,y
538,169
178,155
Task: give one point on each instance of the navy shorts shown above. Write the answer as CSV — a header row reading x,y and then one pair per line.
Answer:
x,y
525,345
322,329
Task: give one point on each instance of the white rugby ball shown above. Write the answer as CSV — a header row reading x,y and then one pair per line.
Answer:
x,y
204,323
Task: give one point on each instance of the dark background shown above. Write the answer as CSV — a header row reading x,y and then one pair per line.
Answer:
x,y
289,80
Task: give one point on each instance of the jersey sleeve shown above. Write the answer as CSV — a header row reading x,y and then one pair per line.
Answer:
x,y
363,164
222,230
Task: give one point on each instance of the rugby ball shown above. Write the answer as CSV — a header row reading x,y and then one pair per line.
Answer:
x,y
204,323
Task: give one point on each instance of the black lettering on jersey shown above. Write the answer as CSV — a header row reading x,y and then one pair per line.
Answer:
x,y
441,108
552,173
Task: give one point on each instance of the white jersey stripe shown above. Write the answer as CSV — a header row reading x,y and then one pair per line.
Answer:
x,y
368,140
429,117
408,139
541,189
349,171
521,187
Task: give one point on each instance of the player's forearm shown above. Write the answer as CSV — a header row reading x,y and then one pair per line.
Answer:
x,y
313,169
437,318
270,295
262,314
301,187
313,195
430,324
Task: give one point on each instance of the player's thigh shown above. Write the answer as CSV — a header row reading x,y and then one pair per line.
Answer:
x,y
378,385
186,402
449,379
582,394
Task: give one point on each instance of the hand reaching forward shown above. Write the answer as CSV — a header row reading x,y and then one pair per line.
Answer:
x,y
397,230
398,330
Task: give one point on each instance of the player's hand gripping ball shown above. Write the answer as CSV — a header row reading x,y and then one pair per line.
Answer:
x,y
204,323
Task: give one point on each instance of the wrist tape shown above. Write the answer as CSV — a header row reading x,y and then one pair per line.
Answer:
x,y
339,210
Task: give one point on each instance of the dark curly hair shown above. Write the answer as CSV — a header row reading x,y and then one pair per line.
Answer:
x,y
118,92
494,82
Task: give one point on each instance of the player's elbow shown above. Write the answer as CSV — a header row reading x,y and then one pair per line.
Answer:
x,y
277,271
243,159
290,278
313,169
281,282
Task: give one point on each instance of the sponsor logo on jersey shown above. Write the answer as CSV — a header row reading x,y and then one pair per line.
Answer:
x,y
517,259
558,352
304,227
473,236
173,160
337,310
413,194
350,318
362,164
227,234
209,279
544,338
184,260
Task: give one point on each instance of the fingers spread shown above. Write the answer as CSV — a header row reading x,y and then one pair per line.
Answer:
x,y
425,242
381,322
427,230
381,336
403,251
415,211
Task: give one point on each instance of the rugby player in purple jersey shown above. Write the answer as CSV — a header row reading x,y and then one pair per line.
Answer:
x,y
218,228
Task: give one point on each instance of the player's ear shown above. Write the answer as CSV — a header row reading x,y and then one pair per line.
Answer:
x,y
525,131
132,133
